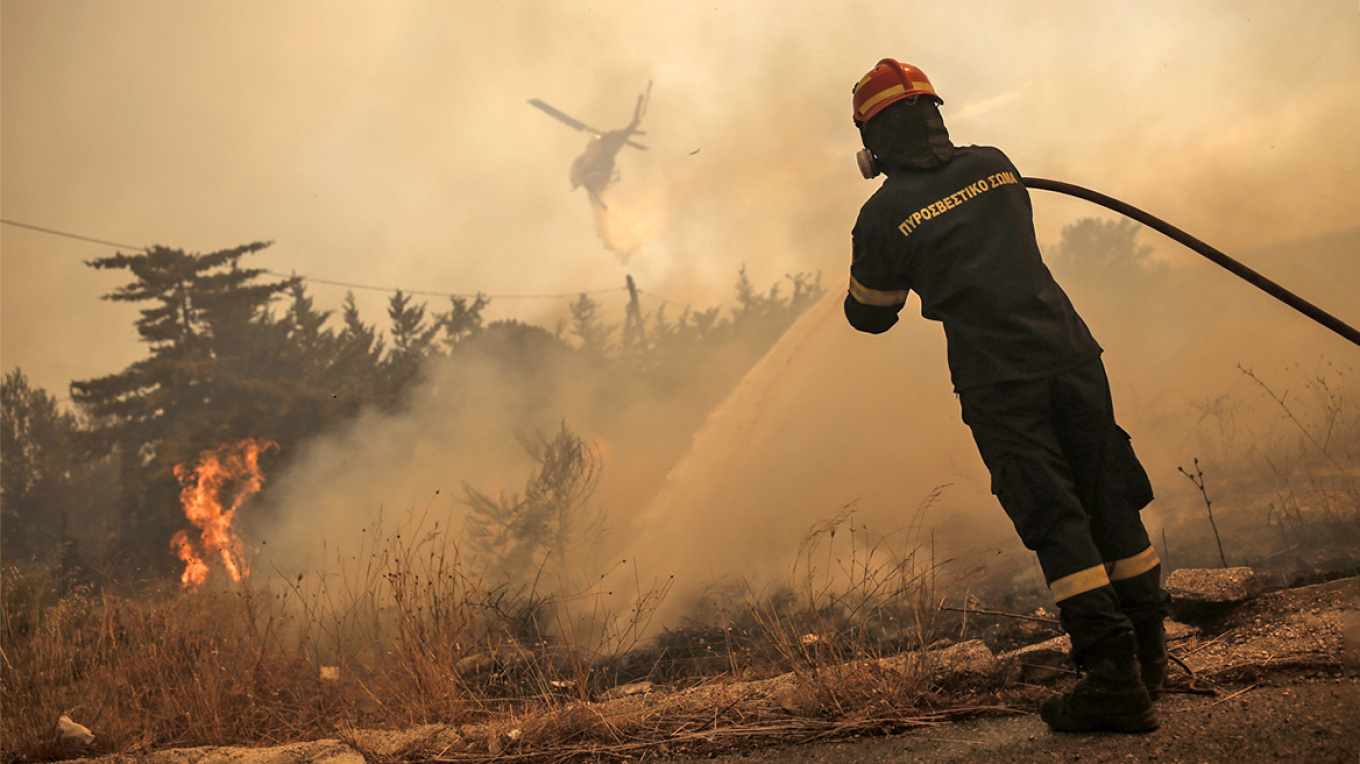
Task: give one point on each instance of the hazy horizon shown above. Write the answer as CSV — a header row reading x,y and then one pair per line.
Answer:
x,y
392,145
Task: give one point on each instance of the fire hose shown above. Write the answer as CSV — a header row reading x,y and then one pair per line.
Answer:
x,y
1247,274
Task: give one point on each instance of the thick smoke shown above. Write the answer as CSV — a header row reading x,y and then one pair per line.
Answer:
x,y
392,145
832,419
751,165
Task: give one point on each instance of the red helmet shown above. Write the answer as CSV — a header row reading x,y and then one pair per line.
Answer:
x,y
888,82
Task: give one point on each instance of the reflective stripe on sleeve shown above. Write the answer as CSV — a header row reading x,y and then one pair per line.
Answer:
x,y
866,296
1079,583
1133,566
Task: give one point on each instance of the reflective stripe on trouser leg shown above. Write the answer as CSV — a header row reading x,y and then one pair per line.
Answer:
x,y
1080,582
1136,565
1091,616
1013,425
1137,581
1088,607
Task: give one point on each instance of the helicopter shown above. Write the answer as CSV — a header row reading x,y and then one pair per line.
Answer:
x,y
594,168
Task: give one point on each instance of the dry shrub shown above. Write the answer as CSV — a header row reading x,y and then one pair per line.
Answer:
x,y
412,634
408,633
159,669
1286,497
862,597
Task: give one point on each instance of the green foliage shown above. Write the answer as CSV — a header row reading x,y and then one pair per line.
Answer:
x,y
412,340
462,321
1115,282
48,490
221,369
757,320
521,536
310,343
1106,250
34,436
761,317
232,356
355,364
211,340
589,327
754,324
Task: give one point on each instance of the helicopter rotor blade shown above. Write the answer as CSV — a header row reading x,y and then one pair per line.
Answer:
x,y
562,116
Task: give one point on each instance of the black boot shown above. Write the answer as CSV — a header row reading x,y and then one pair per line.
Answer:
x,y
1143,601
1110,697
1152,655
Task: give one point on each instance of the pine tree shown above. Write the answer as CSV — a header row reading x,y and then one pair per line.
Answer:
x,y
36,456
355,367
216,372
589,327
520,536
462,322
412,340
1104,250
313,345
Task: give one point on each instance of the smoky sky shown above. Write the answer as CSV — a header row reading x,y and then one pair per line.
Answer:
x,y
391,144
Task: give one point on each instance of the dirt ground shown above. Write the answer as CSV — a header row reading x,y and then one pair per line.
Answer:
x,y
1285,674
1276,678
1285,716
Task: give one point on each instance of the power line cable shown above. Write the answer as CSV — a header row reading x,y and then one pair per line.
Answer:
x,y
55,232
327,282
427,293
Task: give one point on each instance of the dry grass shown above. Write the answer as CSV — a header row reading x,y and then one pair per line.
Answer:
x,y
1286,497
157,670
414,637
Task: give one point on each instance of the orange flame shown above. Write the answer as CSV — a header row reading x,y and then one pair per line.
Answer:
x,y
229,470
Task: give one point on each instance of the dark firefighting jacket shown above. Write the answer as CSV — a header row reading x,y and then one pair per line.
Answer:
x,y
962,237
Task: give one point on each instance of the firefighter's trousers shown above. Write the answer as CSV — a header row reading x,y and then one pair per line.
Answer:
x,y
1067,476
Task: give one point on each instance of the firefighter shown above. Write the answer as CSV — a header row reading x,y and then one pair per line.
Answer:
x,y
954,224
